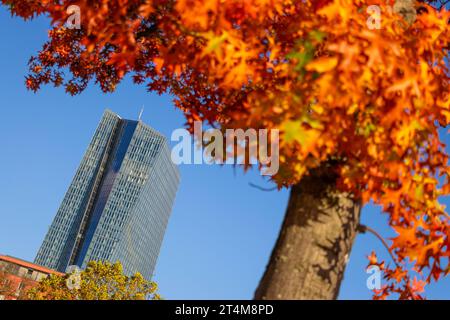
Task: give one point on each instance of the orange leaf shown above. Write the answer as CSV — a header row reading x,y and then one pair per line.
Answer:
x,y
323,64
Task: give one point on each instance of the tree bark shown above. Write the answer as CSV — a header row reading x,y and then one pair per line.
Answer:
x,y
314,244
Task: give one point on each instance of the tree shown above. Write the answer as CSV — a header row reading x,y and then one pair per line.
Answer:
x,y
100,281
359,101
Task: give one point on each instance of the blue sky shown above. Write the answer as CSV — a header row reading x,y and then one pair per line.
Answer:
x,y
221,232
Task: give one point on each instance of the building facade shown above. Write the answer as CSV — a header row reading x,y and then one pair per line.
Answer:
x,y
119,202
17,276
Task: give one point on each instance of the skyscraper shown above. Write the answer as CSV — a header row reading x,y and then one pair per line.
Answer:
x,y
119,202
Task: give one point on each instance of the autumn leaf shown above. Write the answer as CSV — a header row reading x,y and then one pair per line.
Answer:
x,y
295,131
323,64
214,43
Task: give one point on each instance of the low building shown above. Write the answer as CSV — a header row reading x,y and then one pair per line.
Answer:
x,y
17,276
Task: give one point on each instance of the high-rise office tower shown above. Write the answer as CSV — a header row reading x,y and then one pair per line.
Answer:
x,y
119,202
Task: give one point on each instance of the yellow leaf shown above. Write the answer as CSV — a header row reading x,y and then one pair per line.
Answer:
x,y
214,43
294,131
352,109
323,64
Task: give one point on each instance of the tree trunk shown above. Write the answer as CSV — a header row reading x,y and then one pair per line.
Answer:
x,y
314,244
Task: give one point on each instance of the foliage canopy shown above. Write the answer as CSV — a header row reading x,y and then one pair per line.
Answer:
x,y
100,281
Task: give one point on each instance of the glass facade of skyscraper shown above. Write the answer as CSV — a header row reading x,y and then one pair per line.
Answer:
x,y
119,202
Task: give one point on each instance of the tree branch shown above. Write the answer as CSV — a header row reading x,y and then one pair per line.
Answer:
x,y
261,188
363,229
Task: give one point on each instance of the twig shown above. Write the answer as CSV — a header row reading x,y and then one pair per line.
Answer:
x,y
262,188
363,229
